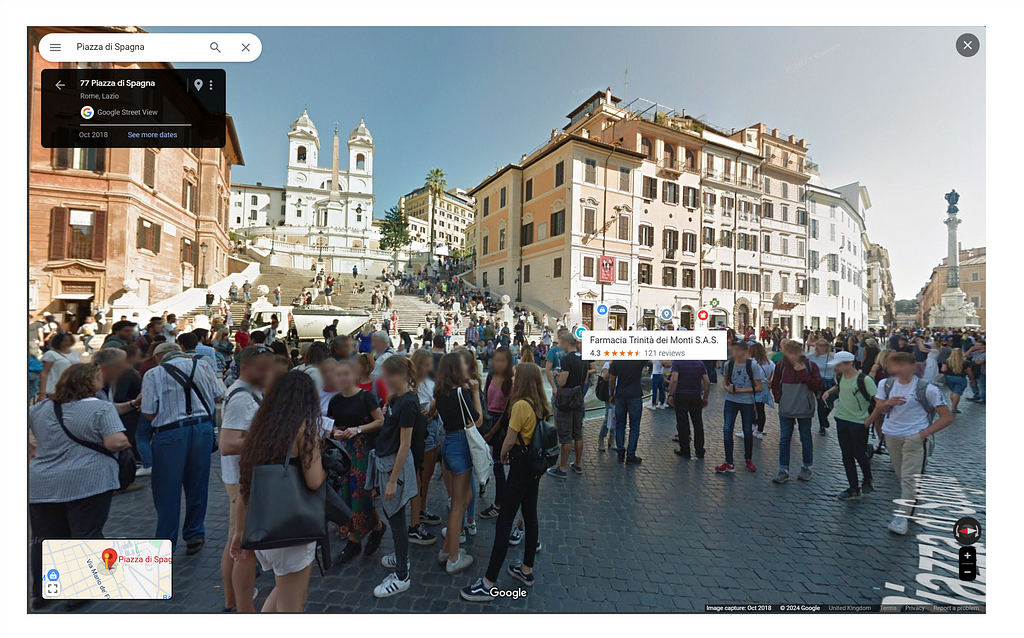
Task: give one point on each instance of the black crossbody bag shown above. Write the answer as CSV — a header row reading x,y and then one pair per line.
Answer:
x,y
125,458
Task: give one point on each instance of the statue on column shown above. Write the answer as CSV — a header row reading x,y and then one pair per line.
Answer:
x,y
952,197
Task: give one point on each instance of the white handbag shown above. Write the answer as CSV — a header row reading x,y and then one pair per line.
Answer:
x,y
483,460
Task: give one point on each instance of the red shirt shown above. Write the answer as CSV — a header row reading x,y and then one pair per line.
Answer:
x,y
242,339
382,390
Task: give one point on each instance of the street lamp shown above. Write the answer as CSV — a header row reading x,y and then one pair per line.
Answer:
x,y
273,238
320,248
202,249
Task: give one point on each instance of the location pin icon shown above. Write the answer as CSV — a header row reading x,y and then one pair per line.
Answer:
x,y
198,84
109,557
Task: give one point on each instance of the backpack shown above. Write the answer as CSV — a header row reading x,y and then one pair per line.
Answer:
x,y
863,389
602,390
921,391
543,450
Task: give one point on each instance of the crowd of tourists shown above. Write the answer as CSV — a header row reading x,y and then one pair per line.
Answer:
x,y
164,401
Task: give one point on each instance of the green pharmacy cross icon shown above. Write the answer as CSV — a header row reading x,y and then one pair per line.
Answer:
x,y
714,303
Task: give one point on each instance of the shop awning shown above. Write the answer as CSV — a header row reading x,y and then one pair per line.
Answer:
x,y
75,296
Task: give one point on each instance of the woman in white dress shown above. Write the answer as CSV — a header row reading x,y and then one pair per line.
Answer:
x,y
57,359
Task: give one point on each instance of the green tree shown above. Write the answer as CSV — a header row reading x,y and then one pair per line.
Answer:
x,y
436,186
394,232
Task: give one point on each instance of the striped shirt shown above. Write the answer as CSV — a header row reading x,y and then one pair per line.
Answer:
x,y
65,471
164,397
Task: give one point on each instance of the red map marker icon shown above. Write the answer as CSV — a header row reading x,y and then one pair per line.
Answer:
x,y
109,558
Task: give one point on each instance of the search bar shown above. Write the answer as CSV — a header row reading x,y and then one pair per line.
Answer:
x,y
150,47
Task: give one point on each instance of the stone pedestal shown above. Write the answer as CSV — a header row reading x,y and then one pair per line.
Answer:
x,y
953,311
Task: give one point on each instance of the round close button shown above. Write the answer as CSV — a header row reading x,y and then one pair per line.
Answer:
x,y
967,531
967,45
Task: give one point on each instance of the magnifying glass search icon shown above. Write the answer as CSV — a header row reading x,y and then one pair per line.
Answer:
x,y
214,47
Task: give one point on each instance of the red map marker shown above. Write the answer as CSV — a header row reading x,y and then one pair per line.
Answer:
x,y
109,558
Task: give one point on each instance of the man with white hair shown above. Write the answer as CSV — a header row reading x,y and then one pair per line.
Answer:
x,y
382,350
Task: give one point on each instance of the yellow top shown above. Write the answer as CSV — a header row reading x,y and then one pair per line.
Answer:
x,y
523,420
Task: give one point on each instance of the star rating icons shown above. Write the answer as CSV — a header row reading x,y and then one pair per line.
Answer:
x,y
621,353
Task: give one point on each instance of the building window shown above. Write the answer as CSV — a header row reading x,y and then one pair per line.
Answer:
x,y
709,236
149,168
559,173
252,215
623,270
501,197
975,276
486,242
82,159
815,288
484,280
501,276
767,210
589,223
646,235
557,223
590,171
670,192
526,235
670,242
189,199
785,190
623,224
501,239
767,287
689,242
668,277
708,278
300,154
767,185
976,301
833,262
588,267
252,200
784,245
526,274
668,155
556,268
766,243
147,235
360,162
689,278
650,188
646,275
690,197
785,213
814,228
487,206
624,179
726,281
801,217
189,255
647,147
801,248
529,189
785,282
726,238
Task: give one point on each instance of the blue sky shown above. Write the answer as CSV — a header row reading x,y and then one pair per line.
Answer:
x,y
894,108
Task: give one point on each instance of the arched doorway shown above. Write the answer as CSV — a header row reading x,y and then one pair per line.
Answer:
x,y
686,315
742,316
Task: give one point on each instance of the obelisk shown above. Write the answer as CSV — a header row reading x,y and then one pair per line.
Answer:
x,y
336,215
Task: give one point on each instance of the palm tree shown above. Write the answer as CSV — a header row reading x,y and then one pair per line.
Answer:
x,y
436,186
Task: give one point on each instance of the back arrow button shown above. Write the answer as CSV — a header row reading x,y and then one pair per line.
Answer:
x,y
60,85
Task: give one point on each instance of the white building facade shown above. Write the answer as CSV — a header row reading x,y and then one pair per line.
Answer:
x,y
837,261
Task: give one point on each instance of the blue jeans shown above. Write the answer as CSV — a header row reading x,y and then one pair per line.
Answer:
x,y
746,412
209,310
786,424
144,441
634,409
181,459
247,296
657,389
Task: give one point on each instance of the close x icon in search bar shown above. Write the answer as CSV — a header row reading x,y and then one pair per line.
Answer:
x,y
150,47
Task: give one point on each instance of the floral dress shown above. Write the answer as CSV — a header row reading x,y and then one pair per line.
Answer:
x,y
347,411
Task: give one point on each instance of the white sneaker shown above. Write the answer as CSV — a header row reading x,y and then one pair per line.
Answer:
x,y
461,564
143,471
392,585
391,562
739,434
899,525
758,435
471,529
462,534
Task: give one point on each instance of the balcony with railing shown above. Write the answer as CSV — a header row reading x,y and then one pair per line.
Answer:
x,y
709,210
670,167
788,300
670,254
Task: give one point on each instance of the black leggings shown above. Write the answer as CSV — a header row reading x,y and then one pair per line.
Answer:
x,y
81,519
521,489
759,418
400,534
853,441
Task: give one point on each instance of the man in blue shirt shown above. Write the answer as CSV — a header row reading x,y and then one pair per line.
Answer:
x,y
742,380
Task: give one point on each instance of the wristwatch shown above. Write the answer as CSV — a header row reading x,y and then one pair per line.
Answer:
x,y
359,430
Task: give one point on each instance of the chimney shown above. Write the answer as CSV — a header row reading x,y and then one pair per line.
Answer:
x,y
259,183
554,133
803,143
792,139
608,95
775,132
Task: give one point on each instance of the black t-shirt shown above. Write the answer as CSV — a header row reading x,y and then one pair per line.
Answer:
x,y
627,378
353,411
402,412
573,364
957,341
453,413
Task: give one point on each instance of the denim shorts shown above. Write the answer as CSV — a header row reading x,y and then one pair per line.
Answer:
x,y
956,385
455,452
433,434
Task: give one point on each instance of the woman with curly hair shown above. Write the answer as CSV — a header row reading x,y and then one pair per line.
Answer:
x,y
357,420
285,426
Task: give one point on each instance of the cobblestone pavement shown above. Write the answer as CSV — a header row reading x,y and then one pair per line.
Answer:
x,y
667,535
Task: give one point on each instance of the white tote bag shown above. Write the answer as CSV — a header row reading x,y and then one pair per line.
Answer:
x,y
483,461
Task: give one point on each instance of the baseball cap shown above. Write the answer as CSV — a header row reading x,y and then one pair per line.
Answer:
x,y
843,357
164,348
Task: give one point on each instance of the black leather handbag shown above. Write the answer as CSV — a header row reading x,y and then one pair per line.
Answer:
x,y
283,511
